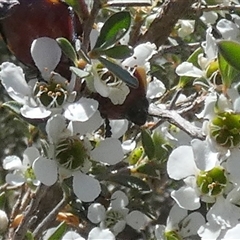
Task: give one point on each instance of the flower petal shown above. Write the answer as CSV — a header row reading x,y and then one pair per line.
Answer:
x,y
186,197
118,127
141,54
14,82
205,158
136,219
82,110
181,163
12,163
55,127
45,170
98,233
15,179
85,187
188,69
96,213
108,151
46,54
119,200
71,235
29,155
34,112
191,224
89,126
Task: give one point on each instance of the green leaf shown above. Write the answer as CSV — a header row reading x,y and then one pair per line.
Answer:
x,y
67,49
117,52
231,52
13,106
150,168
113,29
184,80
59,232
130,181
80,73
228,73
121,73
148,144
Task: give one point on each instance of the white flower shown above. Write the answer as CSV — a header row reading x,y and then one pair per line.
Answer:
x,y
3,221
142,53
187,162
70,155
186,27
44,98
210,50
222,215
117,215
180,223
22,170
155,89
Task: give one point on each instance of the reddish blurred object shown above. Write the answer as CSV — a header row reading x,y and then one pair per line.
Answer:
x,y
31,19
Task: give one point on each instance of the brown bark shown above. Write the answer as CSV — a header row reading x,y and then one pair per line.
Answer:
x,y
162,25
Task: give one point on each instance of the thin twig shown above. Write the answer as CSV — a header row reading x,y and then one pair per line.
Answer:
x,y
50,218
24,225
88,24
217,7
175,118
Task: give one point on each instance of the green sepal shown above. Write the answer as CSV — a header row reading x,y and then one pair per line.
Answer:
x,y
59,232
67,49
121,73
113,29
148,144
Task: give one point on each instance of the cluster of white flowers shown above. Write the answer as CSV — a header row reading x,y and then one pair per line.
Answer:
x,y
71,126
210,168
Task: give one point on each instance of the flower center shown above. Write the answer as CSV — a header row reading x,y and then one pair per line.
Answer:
x,y
172,235
212,182
51,94
225,129
106,76
71,153
112,217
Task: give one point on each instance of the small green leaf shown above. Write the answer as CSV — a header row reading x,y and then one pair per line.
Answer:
x,y
184,80
225,70
67,49
117,52
80,73
121,73
130,181
231,52
113,29
29,236
148,144
13,106
59,232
